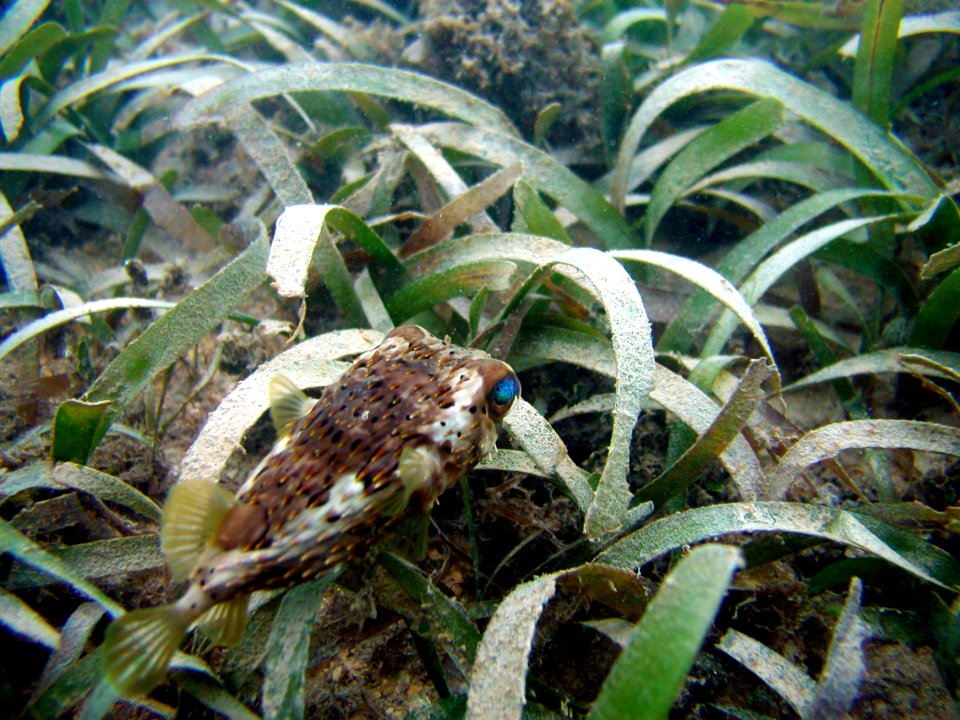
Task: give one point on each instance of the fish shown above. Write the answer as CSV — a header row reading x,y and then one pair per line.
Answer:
x,y
402,424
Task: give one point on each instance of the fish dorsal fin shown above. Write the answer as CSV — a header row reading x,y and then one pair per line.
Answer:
x,y
288,403
191,516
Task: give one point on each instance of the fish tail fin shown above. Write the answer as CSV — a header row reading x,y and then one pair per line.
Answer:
x,y
139,647
223,624
191,516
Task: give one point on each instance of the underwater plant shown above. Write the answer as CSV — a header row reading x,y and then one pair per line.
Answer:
x,y
705,262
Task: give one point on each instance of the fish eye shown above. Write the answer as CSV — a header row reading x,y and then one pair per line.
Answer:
x,y
502,394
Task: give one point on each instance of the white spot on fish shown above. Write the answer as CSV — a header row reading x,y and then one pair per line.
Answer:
x,y
454,420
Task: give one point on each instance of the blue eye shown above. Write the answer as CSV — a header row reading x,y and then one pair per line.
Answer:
x,y
504,393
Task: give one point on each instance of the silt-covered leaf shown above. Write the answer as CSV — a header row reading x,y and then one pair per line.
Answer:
x,y
648,675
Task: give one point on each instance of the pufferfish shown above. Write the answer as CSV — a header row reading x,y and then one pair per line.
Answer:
x,y
405,422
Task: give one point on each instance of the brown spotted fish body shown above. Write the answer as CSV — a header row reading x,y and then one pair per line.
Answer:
x,y
401,425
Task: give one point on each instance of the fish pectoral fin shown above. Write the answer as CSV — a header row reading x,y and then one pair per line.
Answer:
x,y
223,624
288,403
139,646
395,504
419,471
191,516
